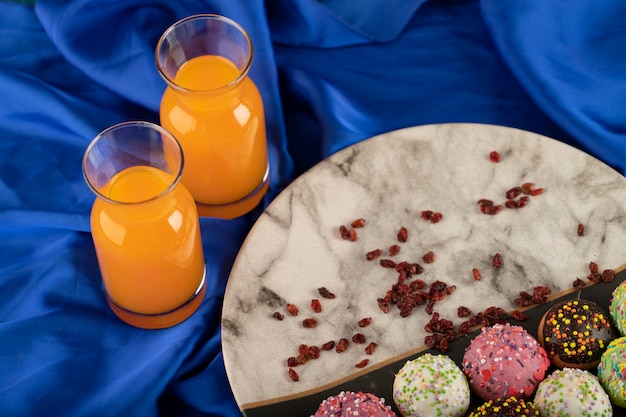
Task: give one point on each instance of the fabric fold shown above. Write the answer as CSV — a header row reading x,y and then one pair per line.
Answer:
x,y
336,23
571,58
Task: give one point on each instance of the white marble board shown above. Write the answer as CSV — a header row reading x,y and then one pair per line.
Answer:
x,y
295,247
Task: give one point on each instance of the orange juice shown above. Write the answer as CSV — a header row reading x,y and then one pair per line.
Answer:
x,y
148,247
219,121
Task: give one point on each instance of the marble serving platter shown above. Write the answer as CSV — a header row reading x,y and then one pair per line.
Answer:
x,y
296,247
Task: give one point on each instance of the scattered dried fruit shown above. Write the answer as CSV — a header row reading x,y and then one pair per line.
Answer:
x,y
278,316
497,261
362,364
373,254
364,322
513,193
323,291
578,284
429,257
316,306
608,275
369,349
292,309
358,223
494,156
343,232
328,345
387,263
309,323
463,311
342,345
476,274
431,216
519,316
403,234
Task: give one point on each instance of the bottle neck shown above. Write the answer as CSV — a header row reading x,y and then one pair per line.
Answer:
x,y
208,100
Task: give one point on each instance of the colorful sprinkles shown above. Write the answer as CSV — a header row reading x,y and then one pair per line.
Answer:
x,y
348,403
612,371
572,392
510,407
431,385
617,308
576,332
504,361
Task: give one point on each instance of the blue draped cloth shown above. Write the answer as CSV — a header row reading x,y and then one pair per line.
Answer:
x,y
331,73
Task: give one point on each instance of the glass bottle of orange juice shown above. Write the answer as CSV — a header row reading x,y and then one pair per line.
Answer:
x,y
144,225
216,112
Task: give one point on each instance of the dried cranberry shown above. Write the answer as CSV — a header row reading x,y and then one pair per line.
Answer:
x,y
578,284
316,306
488,207
527,188
595,277
383,305
608,275
426,214
394,250
387,263
417,284
429,307
415,269
373,254
293,375
343,232
540,294
328,345
292,309
523,301
581,229
364,322
476,274
436,217
513,193
369,349
429,257
352,235
494,156
523,201
406,310
309,323
463,312
358,223
323,291
497,260
362,364
519,316
278,316
313,352
358,338
536,191
342,345
593,267
403,234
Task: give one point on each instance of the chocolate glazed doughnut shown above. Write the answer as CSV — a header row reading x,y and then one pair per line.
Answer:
x,y
575,333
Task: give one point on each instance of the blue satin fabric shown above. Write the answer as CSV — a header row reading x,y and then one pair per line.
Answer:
x,y
331,74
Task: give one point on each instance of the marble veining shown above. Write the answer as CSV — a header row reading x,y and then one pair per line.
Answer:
x,y
295,246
